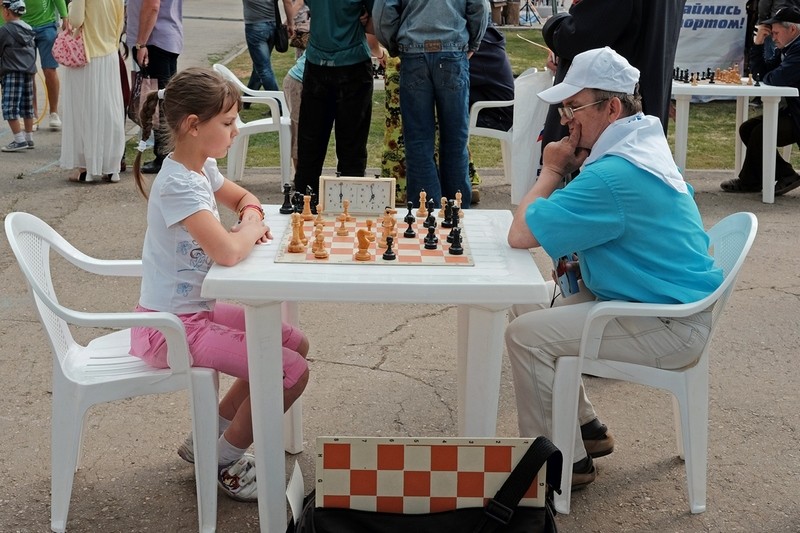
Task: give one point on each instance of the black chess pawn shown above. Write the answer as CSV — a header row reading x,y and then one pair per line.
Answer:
x,y
410,219
297,202
389,254
711,77
431,240
287,207
757,80
455,246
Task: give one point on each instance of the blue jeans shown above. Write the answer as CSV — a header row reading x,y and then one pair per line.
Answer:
x,y
260,38
436,85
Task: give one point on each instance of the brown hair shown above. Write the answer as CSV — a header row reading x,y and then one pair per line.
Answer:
x,y
194,91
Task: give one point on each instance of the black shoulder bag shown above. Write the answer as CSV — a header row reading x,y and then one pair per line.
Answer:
x,y
281,33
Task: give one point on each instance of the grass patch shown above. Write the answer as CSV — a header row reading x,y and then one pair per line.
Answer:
x,y
711,125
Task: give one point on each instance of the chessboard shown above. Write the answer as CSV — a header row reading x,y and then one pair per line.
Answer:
x,y
418,475
342,249
729,76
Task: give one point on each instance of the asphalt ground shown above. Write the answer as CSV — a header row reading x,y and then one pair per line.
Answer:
x,y
382,370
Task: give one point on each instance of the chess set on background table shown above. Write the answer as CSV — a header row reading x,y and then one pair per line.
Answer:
x,y
729,76
423,236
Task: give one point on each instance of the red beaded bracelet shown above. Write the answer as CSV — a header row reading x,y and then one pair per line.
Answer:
x,y
251,206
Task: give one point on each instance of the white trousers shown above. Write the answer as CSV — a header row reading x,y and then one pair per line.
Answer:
x,y
538,334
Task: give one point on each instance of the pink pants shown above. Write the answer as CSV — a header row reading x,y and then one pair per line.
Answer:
x,y
217,340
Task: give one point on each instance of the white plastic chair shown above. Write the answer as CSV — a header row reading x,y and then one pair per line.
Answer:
x,y
731,239
520,146
102,371
237,155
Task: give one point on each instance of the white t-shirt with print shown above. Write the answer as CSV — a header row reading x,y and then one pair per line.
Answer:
x,y
174,265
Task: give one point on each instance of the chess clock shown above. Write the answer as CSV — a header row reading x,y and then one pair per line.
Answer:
x,y
368,196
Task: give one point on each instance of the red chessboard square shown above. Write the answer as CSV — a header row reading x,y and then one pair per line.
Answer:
x,y
337,456
533,490
443,504
364,482
444,458
391,456
470,484
389,504
497,459
416,483
341,502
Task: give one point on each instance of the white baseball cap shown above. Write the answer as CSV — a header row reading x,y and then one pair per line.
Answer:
x,y
601,68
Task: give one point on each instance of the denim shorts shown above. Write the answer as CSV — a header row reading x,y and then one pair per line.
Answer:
x,y
44,39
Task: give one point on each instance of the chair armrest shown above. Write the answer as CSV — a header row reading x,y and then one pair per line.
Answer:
x,y
105,267
602,313
178,356
477,107
274,108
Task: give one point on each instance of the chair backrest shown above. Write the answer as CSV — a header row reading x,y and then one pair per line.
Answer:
x,y
31,240
529,115
730,241
250,95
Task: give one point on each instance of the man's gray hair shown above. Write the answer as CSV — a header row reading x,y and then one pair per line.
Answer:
x,y
631,103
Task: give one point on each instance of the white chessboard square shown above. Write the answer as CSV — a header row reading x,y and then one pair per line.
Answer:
x,y
390,482
418,457
471,458
363,456
444,484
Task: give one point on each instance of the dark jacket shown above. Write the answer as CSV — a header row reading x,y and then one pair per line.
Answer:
x,y
491,78
17,51
781,69
645,32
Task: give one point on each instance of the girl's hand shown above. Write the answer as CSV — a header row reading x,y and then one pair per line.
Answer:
x,y
254,221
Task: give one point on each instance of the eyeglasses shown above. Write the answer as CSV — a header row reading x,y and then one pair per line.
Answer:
x,y
568,112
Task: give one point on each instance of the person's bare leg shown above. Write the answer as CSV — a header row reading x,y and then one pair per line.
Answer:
x,y
28,124
14,125
235,406
53,86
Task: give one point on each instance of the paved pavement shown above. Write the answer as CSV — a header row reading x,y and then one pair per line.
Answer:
x,y
381,370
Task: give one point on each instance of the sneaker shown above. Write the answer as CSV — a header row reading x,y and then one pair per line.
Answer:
x,y
15,146
30,145
186,450
597,440
113,178
238,479
55,122
583,473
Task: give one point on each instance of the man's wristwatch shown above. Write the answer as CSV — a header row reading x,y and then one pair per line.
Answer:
x,y
138,46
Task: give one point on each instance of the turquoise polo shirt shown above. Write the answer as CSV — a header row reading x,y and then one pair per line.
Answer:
x,y
337,36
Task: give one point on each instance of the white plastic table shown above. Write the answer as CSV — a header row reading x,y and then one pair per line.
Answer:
x,y
500,277
770,97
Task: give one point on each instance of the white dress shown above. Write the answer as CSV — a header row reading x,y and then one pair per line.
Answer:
x,y
93,134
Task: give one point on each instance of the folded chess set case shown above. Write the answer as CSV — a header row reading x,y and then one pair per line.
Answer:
x,y
431,485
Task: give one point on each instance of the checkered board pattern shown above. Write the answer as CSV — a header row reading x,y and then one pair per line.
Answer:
x,y
418,475
342,249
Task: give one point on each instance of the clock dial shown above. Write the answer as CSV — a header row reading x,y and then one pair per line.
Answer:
x,y
367,196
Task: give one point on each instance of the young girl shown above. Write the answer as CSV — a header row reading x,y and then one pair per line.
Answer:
x,y
184,237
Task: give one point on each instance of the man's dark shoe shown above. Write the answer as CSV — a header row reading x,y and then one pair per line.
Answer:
x,y
597,440
787,184
583,473
151,167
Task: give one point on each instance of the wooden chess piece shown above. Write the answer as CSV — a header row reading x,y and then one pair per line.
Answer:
x,y
444,204
455,247
422,212
287,208
447,221
431,240
389,254
320,252
365,237
296,245
342,230
307,214
346,207
301,229
387,226
319,219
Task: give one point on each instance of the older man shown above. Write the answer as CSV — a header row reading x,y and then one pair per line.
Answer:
x,y
637,232
781,67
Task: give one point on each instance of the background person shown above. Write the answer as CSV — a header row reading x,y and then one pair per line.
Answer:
x,y
184,237
629,192
42,15
17,68
782,68
434,41
155,34
93,141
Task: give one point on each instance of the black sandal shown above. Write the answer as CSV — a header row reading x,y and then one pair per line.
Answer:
x,y
80,178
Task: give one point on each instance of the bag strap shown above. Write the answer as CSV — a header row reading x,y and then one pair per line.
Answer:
x,y
500,509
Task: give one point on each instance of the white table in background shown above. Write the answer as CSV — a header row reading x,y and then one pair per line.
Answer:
x,y
500,277
770,97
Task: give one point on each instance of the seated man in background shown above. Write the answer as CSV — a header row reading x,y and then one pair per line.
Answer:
x,y
781,68
637,232
491,78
